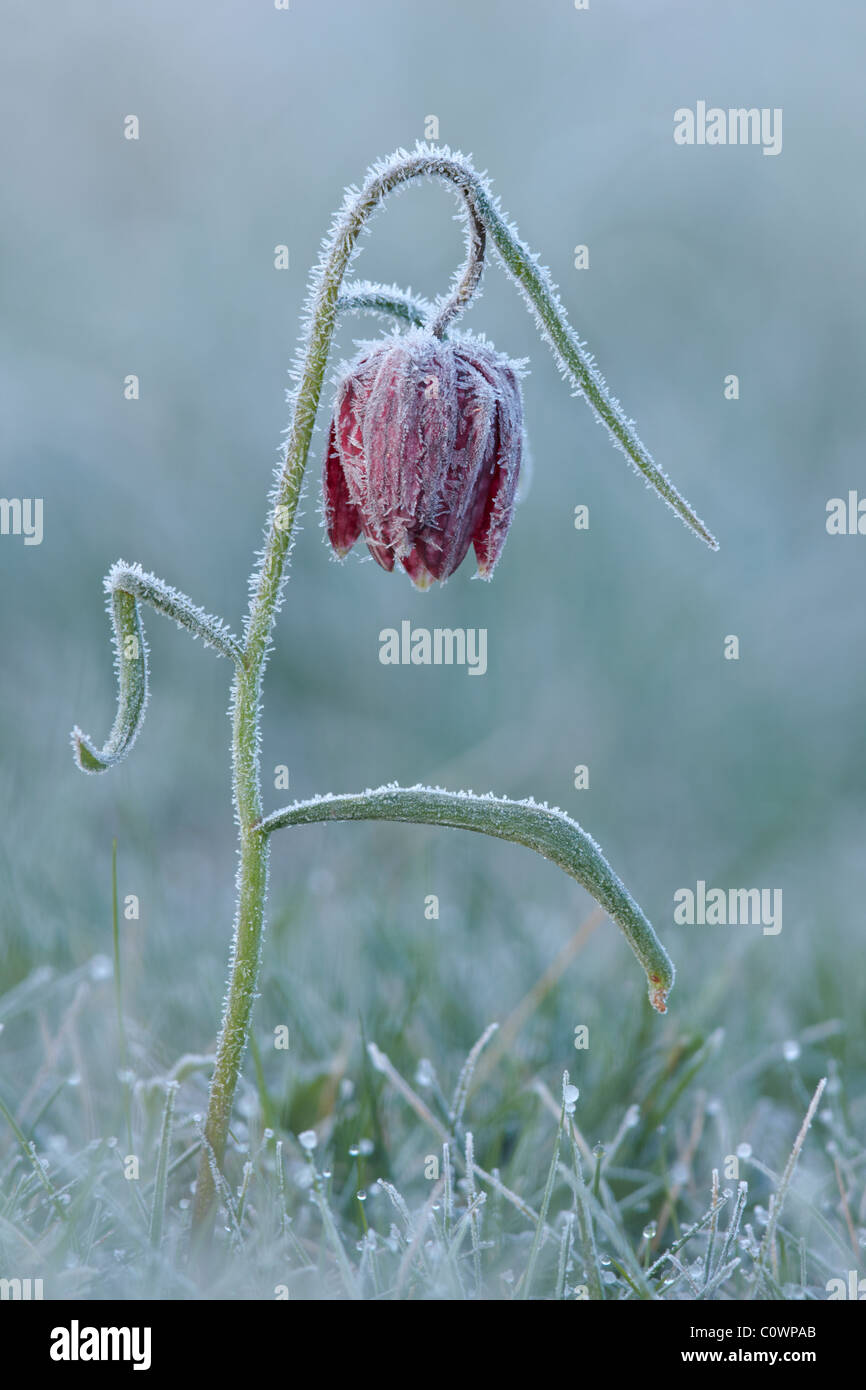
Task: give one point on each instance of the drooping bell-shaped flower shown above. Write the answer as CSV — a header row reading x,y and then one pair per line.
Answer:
x,y
424,453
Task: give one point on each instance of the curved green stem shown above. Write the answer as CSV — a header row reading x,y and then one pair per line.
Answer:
x,y
126,586
388,300
548,831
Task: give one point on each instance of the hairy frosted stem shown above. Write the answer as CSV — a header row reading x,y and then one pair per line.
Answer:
x,y
389,301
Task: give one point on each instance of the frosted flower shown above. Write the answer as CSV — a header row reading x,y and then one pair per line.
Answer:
x,y
424,454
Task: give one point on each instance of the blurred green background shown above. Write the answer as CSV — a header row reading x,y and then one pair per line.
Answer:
x,y
156,257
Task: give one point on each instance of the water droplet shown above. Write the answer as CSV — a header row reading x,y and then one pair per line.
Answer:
x,y
267,1134
326,1173
744,1151
649,1230
183,1203
424,1073
308,1140
362,1196
101,968
366,1146
354,1151
599,1150
790,1050
604,1261
570,1097
714,1107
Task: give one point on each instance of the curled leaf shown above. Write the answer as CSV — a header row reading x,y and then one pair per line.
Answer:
x,y
547,830
125,585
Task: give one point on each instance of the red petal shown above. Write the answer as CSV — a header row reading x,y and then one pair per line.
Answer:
x,y
342,516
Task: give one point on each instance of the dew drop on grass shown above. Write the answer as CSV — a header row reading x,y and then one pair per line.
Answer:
x,y
791,1050
101,968
570,1096
424,1074
366,1146
308,1140
649,1230
744,1151
598,1150
361,1195
354,1151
